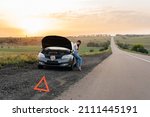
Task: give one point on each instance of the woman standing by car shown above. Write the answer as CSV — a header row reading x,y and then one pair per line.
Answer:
x,y
76,54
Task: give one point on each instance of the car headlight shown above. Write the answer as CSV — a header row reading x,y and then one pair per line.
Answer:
x,y
67,57
41,56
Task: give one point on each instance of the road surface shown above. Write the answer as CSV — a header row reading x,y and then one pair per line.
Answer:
x,y
122,76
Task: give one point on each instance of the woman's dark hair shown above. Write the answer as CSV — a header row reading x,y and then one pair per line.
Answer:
x,y
79,41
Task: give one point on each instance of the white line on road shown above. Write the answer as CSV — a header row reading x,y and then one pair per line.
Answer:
x,y
139,58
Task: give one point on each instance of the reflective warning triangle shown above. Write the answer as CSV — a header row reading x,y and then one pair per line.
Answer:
x,y
43,79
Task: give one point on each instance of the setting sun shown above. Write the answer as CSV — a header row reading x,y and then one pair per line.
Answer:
x,y
32,26
36,26
73,17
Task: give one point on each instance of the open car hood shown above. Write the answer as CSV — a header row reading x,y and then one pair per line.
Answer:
x,y
56,41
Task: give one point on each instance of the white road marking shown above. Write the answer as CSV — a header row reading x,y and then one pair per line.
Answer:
x,y
139,58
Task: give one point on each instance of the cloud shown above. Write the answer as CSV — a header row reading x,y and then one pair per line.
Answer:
x,y
64,15
128,21
86,21
104,20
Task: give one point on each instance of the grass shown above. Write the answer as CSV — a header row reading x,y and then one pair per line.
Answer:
x,y
20,49
19,54
134,40
96,52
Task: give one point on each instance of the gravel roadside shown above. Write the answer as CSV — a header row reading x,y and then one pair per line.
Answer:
x,y
18,83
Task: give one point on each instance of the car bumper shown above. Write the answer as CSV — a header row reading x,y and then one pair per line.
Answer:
x,y
55,64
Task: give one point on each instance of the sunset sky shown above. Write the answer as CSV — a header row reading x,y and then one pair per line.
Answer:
x,y
73,17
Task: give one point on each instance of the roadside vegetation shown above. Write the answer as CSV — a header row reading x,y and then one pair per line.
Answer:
x,y
134,43
97,48
18,60
18,51
93,44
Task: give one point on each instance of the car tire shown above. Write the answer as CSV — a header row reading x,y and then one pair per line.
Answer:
x,y
40,66
73,65
71,68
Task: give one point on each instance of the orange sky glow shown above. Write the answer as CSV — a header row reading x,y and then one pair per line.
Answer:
x,y
73,17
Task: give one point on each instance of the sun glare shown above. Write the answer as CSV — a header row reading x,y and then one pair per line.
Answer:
x,y
37,26
73,17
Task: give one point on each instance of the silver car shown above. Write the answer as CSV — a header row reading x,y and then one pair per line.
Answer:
x,y
56,51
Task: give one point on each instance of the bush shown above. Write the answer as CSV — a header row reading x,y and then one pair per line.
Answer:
x,y
92,44
103,46
102,49
91,50
139,48
123,45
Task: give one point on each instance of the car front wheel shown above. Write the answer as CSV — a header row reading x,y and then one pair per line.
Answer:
x,y
40,66
73,64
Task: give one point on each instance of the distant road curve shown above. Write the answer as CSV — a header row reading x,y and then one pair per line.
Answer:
x,y
123,75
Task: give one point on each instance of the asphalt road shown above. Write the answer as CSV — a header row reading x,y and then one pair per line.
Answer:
x,y
122,76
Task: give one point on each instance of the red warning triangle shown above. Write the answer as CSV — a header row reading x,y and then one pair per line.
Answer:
x,y
42,89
